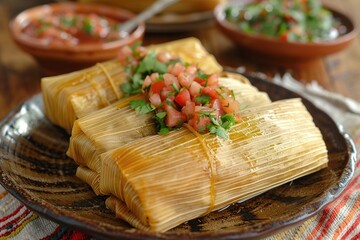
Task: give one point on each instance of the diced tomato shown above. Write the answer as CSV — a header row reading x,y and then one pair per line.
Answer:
x,y
173,117
164,56
182,97
202,82
154,77
192,69
146,83
189,109
186,79
213,80
177,69
166,93
141,51
124,53
229,104
171,80
216,105
155,100
156,87
199,122
212,91
195,89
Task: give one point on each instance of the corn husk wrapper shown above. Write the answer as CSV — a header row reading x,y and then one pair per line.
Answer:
x,y
158,182
71,96
118,124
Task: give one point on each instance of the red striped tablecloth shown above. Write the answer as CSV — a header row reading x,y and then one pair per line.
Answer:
x,y
339,220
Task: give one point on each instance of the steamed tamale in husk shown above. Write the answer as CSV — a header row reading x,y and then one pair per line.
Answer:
x,y
156,182
71,96
160,181
118,124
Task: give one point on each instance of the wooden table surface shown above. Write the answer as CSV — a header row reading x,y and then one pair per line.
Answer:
x,y
20,75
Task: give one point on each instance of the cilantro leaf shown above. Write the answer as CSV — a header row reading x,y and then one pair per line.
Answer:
x,y
227,121
141,106
160,122
201,75
150,64
222,133
133,49
203,99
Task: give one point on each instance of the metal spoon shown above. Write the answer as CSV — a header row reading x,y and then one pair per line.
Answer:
x,y
155,8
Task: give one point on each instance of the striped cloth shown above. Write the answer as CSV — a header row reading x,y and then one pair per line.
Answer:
x,y
18,222
339,220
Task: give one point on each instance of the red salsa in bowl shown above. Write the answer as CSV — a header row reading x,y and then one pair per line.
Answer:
x,y
68,36
73,28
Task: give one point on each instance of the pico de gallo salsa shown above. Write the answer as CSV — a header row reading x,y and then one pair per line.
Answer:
x,y
72,28
287,20
179,93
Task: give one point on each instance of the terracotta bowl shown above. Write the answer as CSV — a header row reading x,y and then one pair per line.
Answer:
x,y
55,58
280,51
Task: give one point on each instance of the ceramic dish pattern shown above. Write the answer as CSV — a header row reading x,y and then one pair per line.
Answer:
x,y
35,169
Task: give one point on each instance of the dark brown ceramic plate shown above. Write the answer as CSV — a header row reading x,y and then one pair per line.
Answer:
x,y
281,52
35,169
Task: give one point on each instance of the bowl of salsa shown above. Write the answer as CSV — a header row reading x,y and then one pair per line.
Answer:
x,y
285,31
68,36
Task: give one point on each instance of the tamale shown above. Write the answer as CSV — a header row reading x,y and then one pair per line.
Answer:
x,y
71,96
158,182
118,124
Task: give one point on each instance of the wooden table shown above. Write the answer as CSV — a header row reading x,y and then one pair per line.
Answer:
x,y
20,75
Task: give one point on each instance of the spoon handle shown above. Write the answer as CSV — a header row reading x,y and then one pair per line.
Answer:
x,y
155,8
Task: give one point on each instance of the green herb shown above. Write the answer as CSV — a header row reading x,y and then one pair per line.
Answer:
x,y
150,64
201,75
227,121
161,126
88,26
203,99
137,73
220,126
142,106
134,47
66,21
219,131
177,90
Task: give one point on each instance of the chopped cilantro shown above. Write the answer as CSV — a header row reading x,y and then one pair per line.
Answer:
x,y
141,106
201,75
221,126
150,64
164,130
220,132
160,122
203,99
66,21
133,49
137,73
227,121
88,26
